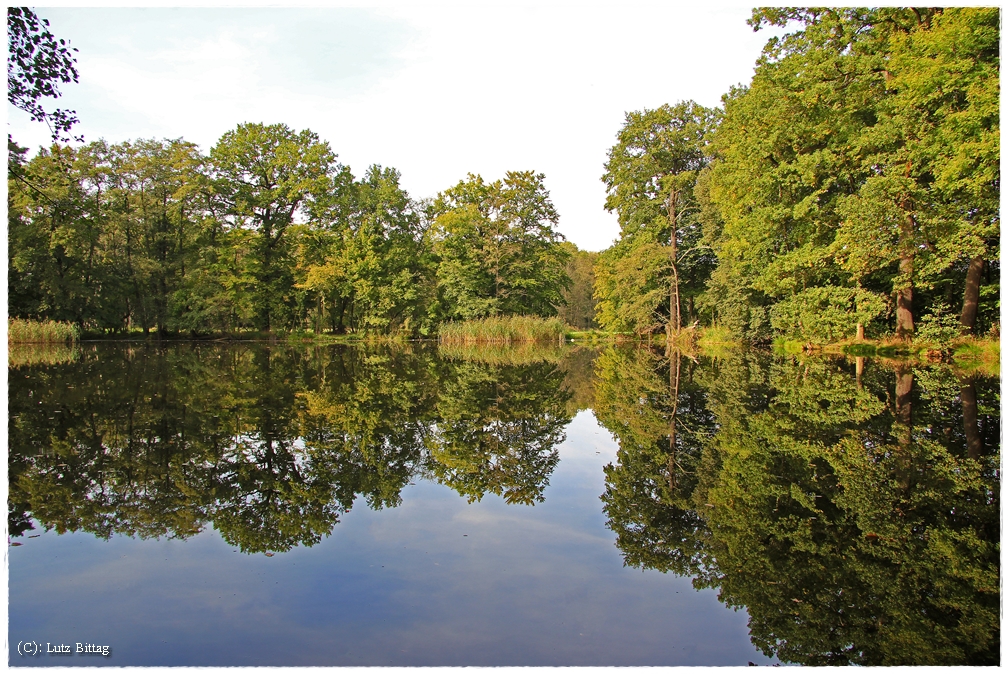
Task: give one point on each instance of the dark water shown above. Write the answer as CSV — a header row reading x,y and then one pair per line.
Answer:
x,y
276,505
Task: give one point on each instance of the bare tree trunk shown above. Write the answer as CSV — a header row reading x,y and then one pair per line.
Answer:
x,y
971,297
974,441
860,332
858,369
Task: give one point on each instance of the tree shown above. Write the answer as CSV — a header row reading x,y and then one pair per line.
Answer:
x,y
578,309
37,62
862,157
649,178
497,250
264,178
367,264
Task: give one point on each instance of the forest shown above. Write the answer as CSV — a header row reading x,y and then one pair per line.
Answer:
x,y
851,189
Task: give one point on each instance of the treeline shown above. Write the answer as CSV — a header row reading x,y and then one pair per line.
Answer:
x,y
854,182
269,232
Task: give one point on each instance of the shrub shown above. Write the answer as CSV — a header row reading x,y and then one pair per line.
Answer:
x,y
827,313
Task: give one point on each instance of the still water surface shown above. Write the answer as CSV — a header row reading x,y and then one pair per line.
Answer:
x,y
277,505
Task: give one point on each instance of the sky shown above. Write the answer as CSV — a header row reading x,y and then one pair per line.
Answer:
x,y
437,91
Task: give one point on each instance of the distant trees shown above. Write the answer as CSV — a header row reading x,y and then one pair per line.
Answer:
x,y
497,249
578,309
269,232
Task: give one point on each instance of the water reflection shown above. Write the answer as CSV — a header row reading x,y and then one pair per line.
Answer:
x,y
849,506
271,445
852,509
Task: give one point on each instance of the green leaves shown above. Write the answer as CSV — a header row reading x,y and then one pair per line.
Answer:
x,y
650,177
36,65
497,249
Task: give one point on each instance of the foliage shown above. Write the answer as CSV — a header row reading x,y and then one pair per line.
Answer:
x,y
497,250
826,313
37,62
863,154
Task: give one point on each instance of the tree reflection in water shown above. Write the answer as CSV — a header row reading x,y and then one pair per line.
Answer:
x,y
853,511
269,444
851,507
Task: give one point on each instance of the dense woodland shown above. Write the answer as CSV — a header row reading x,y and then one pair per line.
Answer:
x,y
854,181
852,187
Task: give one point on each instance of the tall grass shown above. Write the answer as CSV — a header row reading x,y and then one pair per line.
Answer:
x,y
503,330
21,331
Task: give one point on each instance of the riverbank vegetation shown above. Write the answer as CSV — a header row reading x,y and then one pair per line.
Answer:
x,y
514,329
849,192
20,331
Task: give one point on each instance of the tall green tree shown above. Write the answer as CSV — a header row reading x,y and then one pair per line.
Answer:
x,y
497,249
367,263
266,177
842,170
650,177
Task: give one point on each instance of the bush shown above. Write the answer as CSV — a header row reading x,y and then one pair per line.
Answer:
x,y
941,325
827,313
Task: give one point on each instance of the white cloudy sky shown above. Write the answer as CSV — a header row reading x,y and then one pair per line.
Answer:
x,y
435,90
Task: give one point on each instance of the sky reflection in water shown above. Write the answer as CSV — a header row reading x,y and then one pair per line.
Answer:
x,y
433,579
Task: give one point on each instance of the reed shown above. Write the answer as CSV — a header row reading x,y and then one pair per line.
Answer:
x,y
504,330
22,331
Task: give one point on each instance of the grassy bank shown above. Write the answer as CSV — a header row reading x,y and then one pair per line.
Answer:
x,y
504,330
21,331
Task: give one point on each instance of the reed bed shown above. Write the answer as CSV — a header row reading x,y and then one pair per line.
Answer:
x,y
504,330
21,331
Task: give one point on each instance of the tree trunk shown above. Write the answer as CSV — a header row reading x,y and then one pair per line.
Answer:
x,y
974,441
971,297
860,332
674,320
904,299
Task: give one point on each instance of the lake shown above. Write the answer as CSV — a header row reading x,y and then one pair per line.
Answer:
x,y
282,504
